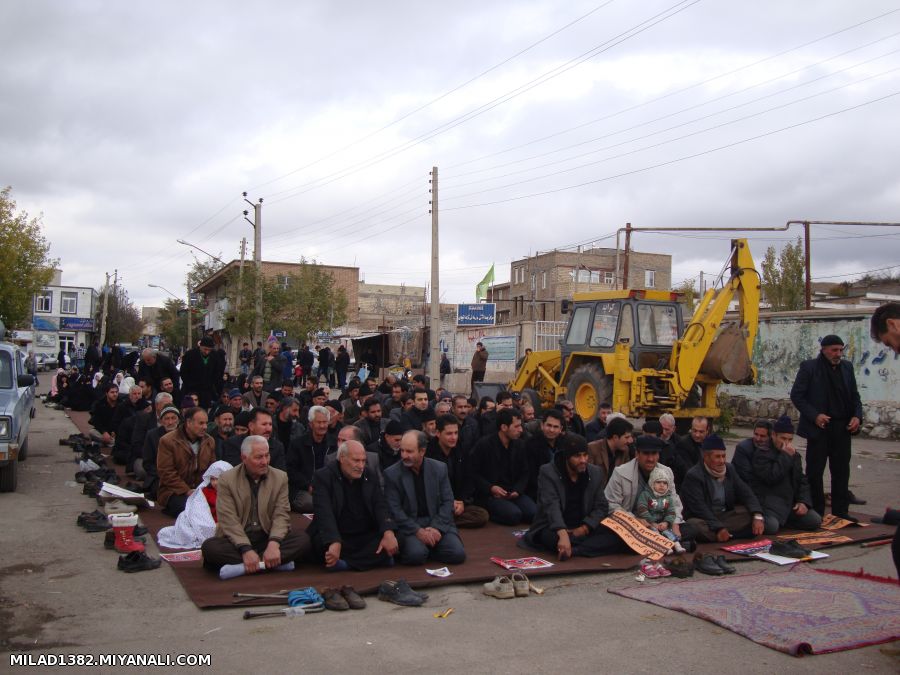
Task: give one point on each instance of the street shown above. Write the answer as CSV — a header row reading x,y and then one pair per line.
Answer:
x,y
60,593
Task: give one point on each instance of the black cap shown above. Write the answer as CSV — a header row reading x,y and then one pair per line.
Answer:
x,y
393,428
830,340
649,444
242,419
713,442
783,425
207,342
573,444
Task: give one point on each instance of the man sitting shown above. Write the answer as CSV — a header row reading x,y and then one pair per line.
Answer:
x,y
415,417
183,457
370,421
256,397
571,505
780,484
615,449
744,451
352,527
102,413
145,466
254,520
445,448
718,505
420,499
688,449
541,447
306,456
388,444
259,423
500,472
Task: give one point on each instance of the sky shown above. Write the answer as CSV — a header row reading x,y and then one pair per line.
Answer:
x,y
132,125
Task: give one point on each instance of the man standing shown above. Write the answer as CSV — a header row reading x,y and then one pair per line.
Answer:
x,y
244,357
342,365
825,393
779,483
92,358
445,369
271,368
352,526
479,365
571,505
182,458
253,516
201,372
155,367
719,505
420,499
500,472
444,447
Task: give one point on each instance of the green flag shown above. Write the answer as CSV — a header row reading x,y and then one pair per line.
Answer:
x,y
481,289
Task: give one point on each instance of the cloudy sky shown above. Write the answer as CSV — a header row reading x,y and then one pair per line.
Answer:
x,y
130,125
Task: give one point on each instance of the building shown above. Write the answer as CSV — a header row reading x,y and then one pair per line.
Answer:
x,y
62,316
539,283
384,306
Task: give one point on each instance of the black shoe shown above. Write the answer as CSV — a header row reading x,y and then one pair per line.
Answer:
x,y
689,545
80,477
707,564
334,600
406,588
354,601
788,549
109,541
681,568
99,525
853,499
84,517
91,488
390,591
140,530
723,564
137,561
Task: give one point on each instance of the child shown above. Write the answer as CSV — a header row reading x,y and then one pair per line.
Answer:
x,y
657,507
197,522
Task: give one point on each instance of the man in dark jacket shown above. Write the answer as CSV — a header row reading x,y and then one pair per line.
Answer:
x,y
306,359
202,369
500,472
718,505
352,527
780,484
744,451
571,505
825,393
541,447
444,447
688,448
155,367
271,368
369,422
103,411
259,423
306,455
388,444
342,365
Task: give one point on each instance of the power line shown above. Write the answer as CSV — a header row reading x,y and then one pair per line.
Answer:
x,y
853,274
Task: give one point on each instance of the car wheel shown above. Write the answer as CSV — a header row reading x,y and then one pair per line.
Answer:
x,y
587,388
9,477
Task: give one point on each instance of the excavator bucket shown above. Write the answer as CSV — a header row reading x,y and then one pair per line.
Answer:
x,y
727,358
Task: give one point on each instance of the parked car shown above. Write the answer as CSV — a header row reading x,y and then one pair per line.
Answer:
x,y
16,411
46,361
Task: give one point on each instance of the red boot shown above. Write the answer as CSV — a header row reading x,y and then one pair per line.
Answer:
x,y
123,526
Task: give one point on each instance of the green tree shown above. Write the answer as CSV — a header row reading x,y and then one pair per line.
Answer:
x,y
687,295
783,277
26,269
123,320
172,322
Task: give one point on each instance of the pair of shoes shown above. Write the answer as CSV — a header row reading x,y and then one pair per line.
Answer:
x,y
789,549
342,599
91,488
654,570
84,516
137,561
680,567
853,499
500,587
521,585
94,524
400,593
713,565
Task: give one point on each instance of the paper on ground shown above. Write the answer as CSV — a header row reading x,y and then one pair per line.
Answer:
x,y
442,572
782,560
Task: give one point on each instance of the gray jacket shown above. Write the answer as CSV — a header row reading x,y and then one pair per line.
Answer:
x,y
624,486
400,493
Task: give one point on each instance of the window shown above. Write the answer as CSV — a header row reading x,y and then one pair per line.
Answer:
x,y
43,301
658,324
606,319
284,281
584,276
68,303
543,281
609,278
649,278
6,371
579,326
595,277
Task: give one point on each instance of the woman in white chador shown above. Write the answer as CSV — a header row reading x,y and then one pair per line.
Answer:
x,y
197,522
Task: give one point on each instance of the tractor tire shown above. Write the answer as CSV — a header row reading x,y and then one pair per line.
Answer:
x,y
587,388
9,477
534,399
23,451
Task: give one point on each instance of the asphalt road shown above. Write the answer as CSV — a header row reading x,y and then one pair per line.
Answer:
x,y
60,594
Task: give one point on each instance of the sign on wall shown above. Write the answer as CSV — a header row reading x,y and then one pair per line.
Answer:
x,y
480,314
500,347
44,323
76,323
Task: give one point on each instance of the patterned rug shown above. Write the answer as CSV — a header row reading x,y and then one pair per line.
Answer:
x,y
800,611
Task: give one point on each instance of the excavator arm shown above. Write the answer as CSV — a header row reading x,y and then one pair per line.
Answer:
x,y
715,348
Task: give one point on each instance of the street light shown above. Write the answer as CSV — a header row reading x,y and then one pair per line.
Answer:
x,y
162,288
187,243
188,318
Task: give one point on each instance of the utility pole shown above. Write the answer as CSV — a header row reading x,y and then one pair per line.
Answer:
x,y
237,307
435,343
257,258
187,284
627,254
105,311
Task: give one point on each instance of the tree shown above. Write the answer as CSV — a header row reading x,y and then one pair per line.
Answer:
x,y
687,295
123,320
26,269
783,277
172,322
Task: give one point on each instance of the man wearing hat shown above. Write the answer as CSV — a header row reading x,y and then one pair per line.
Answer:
x,y
202,369
571,504
718,504
779,483
628,480
388,444
825,393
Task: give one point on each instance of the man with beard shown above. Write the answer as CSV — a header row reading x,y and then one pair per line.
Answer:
x,y
155,367
615,449
688,449
286,421
445,448
571,506
145,468
370,421
202,368
388,444
743,452
420,499
271,367
259,423
224,429
102,413
306,455
182,458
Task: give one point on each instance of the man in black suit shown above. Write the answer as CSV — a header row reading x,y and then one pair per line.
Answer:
x,y
420,499
825,393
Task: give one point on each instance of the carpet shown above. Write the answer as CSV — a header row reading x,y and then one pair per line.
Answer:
x,y
799,611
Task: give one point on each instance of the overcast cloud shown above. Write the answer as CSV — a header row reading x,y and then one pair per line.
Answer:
x,y
130,125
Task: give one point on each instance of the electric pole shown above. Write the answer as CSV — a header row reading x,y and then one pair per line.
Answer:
x,y
105,311
238,305
257,258
187,284
435,343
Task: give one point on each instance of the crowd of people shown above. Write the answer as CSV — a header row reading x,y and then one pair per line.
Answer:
x,y
390,470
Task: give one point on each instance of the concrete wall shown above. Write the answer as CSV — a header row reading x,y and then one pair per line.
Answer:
x,y
785,339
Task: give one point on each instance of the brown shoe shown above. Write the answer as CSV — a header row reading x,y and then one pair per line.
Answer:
x,y
334,600
354,601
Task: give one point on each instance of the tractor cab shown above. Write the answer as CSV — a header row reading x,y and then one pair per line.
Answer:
x,y
648,321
